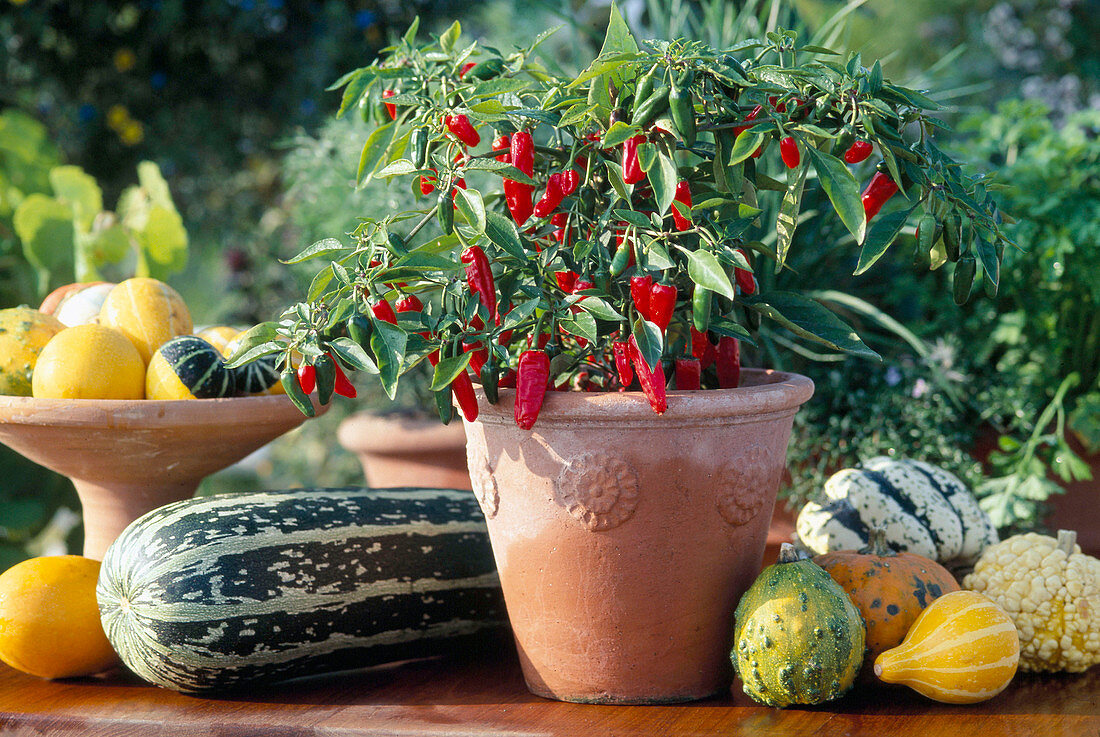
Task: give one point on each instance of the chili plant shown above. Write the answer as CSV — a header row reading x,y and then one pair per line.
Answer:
x,y
615,241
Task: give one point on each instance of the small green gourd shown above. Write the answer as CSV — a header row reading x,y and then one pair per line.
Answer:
x,y
798,639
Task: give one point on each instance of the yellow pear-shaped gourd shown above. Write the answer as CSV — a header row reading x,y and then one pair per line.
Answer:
x,y
962,649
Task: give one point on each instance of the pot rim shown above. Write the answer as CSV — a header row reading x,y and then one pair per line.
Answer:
x,y
763,395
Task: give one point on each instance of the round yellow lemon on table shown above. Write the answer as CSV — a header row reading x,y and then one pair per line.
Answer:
x,y
49,619
89,362
23,334
148,312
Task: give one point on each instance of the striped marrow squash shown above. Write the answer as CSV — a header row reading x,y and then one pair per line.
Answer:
x,y
187,367
922,509
229,591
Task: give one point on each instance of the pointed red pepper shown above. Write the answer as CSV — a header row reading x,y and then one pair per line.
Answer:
x,y
702,348
463,389
632,170
566,280
662,303
383,311
788,151
532,376
342,385
570,180
746,280
459,126
640,288
683,196
729,362
390,107
551,198
689,373
465,68
880,189
738,130
858,151
621,350
307,377
518,196
478,355
479,277
651,379
427,183
503,142
409,303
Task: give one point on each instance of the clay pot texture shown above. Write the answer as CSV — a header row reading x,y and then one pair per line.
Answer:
x,y
400,451
624,539
128,457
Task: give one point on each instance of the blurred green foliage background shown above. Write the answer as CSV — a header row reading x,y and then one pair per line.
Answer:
x,y
227,98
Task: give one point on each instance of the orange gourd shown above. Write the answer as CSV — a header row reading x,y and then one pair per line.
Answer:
x,y
962,649
890,589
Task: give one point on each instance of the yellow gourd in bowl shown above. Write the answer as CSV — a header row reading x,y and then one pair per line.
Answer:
x,y
962,649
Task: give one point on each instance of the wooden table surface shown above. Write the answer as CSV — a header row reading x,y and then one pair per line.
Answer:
x,y
486,696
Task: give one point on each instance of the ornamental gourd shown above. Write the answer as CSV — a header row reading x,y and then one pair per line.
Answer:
x,y
890,589
237,590
962,649
1052,592
798,639
922,509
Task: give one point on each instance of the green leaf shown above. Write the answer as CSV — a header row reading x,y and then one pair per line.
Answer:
x,y
320,282
809,319
663,179
448,369
107,246
502,231
261,336
400,167
656,255
883,232
582,324
788,216
374,150
618,134
410,35
72,185
744,146
450,37
154,186
326,248
842,189
360,80
388,342
649,339
45,227
988,255
472,207
706,271
633,217
604,65
599,308
618,38
165,240
519,313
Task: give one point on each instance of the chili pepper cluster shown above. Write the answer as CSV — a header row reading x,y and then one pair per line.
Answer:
x,y
602,233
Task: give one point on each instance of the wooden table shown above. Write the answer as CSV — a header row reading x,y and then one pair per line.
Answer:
x,y
486,696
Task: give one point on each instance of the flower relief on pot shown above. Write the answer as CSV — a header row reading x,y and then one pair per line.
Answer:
x,y
600,491
481,478
744,482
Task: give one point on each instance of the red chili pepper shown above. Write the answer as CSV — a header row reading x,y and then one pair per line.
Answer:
x,y
478,355
858,151
551,198
566,280
881,189
409,303
683,196
652,380
342,386
559,219
746,280
702,348
427,183
729,362
463,390
479,277
459,126
570,180
531,379
307,377
508,379
391,108
461,158
632,170
518,196
662,303
465,68
738,130
640,288
689,373
621,349
579,286
383,311
780,107
504,142
788,151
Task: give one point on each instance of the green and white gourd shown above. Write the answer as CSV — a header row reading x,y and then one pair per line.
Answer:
x,y
256,376
922,509
221,592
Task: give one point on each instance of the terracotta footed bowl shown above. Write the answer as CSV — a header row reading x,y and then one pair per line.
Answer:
x,y
128,457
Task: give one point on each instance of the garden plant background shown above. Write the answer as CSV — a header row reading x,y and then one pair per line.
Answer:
x,y
227,98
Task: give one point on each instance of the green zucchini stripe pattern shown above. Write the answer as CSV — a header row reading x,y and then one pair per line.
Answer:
x,y
223,592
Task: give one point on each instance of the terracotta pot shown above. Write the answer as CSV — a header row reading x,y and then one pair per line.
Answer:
x,y
128,457
407,451
624,539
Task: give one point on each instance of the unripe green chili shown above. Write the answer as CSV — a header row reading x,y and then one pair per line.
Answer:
x,y
418,141
489,380
651,107
359,329
926,232
487,69
644,88
445,212
964,279
701,300
682,107
443,405
952,235
397,243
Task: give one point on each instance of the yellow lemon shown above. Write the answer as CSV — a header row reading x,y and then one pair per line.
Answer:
x,y
49,619
89,362
148,312
23,334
